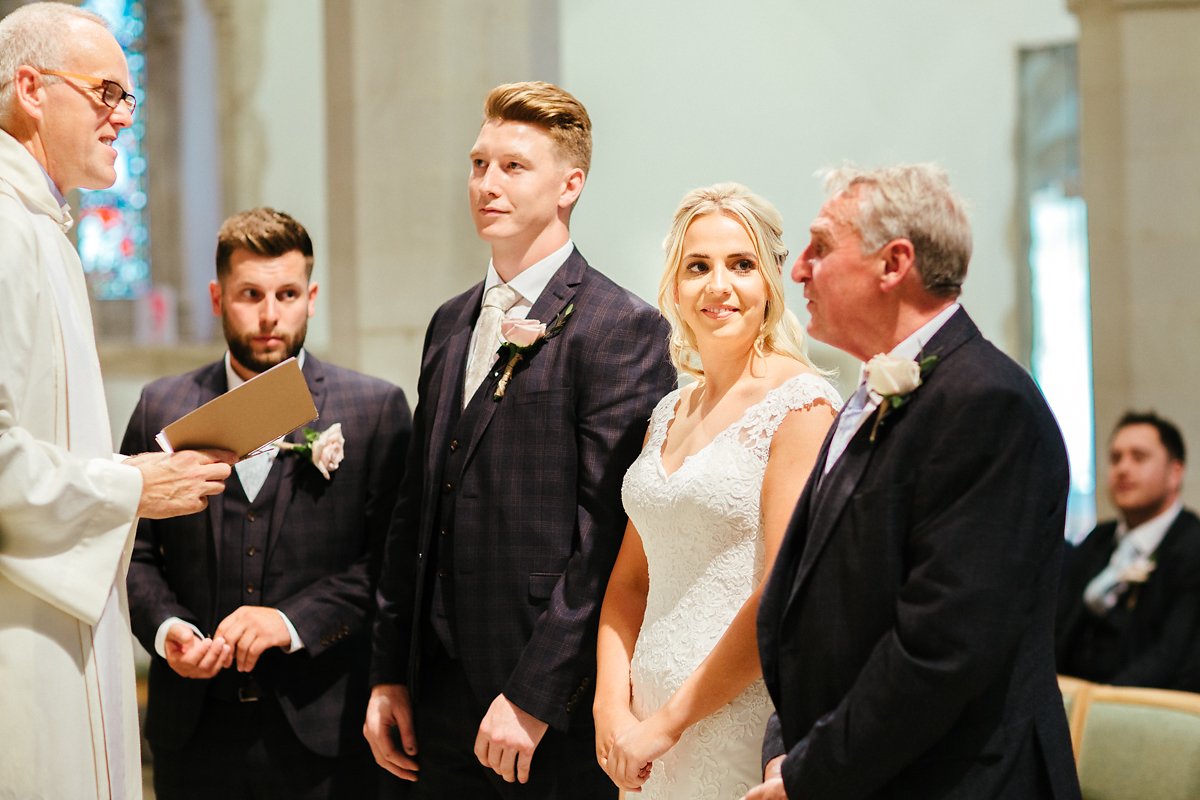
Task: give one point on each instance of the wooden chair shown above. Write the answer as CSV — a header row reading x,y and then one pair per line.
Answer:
x,y
1132,743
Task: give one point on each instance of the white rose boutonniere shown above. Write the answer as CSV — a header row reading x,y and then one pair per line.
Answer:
x,y
523,338
1137,571
893,380
325,449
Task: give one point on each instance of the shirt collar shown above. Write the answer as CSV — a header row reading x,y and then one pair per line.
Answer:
x,y
533,279
912,346
233,380
915,343
1149,535
58,196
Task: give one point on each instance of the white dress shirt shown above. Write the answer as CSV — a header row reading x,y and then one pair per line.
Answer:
x,y
850,422
529,285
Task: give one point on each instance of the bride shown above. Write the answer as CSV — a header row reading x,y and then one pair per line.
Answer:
x,y
680,704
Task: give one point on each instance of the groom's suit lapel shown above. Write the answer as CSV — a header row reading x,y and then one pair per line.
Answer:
x,y
314,376
450,388
831,495
553,300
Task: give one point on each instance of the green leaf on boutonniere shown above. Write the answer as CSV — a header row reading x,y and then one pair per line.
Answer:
x,y
512,353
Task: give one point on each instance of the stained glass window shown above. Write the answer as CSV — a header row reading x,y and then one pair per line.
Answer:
x,y
113,238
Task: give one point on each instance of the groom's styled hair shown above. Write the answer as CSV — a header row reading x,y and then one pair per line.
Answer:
x,y
914,202
549,107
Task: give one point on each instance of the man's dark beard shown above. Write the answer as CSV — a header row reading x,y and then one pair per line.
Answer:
x,y
239,348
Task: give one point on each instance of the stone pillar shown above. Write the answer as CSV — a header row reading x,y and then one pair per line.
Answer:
x,y
405,82
1139,71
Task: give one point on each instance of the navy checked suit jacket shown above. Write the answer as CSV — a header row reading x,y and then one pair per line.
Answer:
x,y
325,544
907,628
537,509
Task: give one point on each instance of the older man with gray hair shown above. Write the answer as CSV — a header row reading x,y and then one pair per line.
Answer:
x,y
907,628
66,503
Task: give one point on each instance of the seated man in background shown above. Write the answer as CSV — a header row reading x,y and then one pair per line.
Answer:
x,y
1129,601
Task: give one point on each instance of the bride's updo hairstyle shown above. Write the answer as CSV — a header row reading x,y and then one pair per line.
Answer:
x,y
781,331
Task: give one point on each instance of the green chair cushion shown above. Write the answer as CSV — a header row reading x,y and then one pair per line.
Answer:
x,y
1134,752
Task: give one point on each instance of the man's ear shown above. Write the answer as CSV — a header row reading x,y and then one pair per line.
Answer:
x,y
572,186
28,91
312,298
214,294
899,259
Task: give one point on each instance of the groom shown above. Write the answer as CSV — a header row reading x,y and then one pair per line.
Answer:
x,y
907,630
510,516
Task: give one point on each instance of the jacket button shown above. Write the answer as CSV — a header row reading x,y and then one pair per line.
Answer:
x,y
249,588
453,445
251,550
250,516
448,487
443,573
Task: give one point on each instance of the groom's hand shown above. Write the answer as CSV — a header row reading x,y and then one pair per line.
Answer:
x,y
507,738
390,713
772,786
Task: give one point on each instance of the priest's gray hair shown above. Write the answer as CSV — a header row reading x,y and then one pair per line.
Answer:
x,y
914,202
38,35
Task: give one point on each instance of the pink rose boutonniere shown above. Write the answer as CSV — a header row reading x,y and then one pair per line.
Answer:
x,y
893,380
325,449
523,338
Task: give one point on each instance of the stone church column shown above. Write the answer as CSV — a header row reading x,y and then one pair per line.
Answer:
x,y
405,82
1140,134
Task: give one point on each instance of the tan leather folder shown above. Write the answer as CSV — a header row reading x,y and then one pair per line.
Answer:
x,y
269,405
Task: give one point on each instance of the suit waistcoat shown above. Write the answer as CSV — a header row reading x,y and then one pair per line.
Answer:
x,y
441,615
244,533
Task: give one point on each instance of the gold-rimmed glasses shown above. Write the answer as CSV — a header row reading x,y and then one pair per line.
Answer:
x,y
111,92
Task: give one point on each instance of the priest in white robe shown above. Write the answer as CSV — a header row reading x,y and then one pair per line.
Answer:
x,y
68,714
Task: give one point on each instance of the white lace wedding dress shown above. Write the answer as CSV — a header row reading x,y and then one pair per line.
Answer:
x,y
702,532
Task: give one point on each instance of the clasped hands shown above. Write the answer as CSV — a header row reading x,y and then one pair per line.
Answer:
x,y
626,747
242,636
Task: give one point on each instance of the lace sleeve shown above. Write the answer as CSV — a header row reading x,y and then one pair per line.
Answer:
x,y
800,392
661,418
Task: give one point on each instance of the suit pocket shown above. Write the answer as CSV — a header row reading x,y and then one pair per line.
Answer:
x,y
541,585
554,396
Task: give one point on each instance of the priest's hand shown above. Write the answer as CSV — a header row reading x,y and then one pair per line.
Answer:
x,y
391,707
180,483
194,657
250,631
507,738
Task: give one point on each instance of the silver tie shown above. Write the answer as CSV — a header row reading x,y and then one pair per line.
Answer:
x,y
847,425
486,340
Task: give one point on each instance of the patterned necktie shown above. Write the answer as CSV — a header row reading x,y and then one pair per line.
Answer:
x,y
847,425
1104,590
486,340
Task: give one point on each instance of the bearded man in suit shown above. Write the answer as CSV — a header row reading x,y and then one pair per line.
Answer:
x,y
510,518
258,612
907,629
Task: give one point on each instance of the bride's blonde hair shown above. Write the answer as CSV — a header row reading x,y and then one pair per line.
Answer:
x,y
781,331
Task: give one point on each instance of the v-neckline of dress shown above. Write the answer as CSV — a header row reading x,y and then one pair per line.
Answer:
x,y
662,464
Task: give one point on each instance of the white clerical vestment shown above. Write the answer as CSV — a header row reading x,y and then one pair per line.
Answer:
x,y
68,713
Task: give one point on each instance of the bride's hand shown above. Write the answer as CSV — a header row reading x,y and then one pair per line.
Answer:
x,y
635,749
610,721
